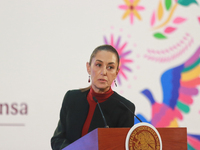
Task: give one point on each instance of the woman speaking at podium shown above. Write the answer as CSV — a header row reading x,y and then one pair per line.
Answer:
x,y
97,106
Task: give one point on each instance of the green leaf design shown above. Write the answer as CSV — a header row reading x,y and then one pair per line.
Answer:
x,y
186,2
159,35
168,4
183,107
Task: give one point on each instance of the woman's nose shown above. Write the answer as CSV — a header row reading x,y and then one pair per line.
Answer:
x,y
104,71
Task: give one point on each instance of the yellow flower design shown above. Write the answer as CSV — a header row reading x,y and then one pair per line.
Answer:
x,y
131,9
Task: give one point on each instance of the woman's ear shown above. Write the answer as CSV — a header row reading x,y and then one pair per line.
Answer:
x,y
117,72
88,68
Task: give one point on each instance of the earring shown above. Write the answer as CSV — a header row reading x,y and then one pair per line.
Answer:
x,y
115,83
89,80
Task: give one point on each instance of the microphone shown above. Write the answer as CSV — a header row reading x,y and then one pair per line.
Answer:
x,y
106,125
130,110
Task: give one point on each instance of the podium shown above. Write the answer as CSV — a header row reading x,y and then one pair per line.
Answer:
x,y
114,139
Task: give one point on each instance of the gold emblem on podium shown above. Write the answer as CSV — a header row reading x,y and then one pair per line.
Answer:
x,y
143,136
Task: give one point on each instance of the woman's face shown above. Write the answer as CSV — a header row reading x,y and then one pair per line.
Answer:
x,y
103,70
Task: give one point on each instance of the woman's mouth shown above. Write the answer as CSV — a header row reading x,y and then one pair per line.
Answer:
x,y
102,80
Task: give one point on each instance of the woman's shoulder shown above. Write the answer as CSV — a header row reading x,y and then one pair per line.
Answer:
x,y
74,96
75,93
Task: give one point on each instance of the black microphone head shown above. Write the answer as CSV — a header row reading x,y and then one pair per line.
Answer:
x,y
94,98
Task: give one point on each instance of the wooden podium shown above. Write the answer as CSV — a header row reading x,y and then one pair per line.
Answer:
x,y
114,139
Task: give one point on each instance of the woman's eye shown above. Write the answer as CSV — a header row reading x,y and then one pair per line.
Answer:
x,y
110,67
98,65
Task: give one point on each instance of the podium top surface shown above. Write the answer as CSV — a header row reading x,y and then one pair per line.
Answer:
x,y
114,138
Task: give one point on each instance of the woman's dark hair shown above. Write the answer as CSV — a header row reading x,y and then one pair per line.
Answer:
x,y
108,48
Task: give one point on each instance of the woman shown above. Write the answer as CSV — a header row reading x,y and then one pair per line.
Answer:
x,y
80,114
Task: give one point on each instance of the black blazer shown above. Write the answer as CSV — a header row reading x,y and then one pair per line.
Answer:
x,y
74,112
